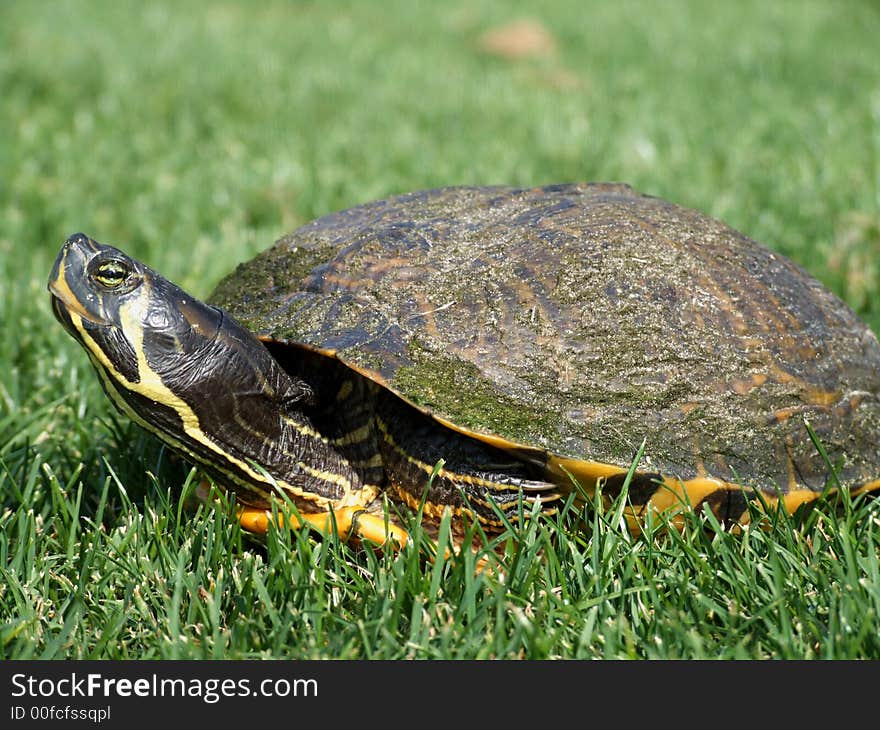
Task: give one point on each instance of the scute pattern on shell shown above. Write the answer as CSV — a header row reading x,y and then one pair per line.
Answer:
x,y
581,319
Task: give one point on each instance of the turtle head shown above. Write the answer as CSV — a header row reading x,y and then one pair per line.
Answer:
x,y
124,314
183,369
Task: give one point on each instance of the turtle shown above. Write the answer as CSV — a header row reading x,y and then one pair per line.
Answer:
x,y
489,352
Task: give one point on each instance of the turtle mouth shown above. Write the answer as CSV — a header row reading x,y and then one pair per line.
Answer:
x,y
65,315
61,313
64,303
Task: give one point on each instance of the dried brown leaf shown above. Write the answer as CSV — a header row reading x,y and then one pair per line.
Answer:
x,y
523,38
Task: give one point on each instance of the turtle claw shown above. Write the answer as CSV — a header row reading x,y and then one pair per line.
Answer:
x,y
532,485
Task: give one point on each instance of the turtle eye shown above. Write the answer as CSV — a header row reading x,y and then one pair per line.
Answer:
x,y
110,273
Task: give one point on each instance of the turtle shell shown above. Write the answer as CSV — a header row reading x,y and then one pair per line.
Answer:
x,y
581,320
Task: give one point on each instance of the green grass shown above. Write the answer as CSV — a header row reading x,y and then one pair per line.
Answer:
x,y
194,134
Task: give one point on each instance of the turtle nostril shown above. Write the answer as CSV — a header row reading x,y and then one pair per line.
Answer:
x,y
76,238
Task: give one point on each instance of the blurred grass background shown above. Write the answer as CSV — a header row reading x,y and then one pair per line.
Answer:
x,y
195,134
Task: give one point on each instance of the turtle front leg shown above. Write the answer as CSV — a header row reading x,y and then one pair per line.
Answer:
x,y
354,521
347,521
